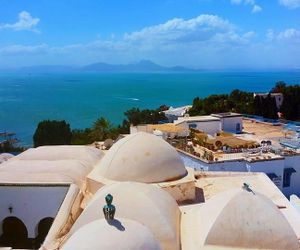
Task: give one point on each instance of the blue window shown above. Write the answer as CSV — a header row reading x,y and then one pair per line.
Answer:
x,y
272,176
238,127
193,125
287,173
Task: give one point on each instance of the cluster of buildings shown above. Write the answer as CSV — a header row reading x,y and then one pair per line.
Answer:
x,y
139,195
144,192
274,157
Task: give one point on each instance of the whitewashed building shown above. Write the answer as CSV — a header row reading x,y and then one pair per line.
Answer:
x,y
206,123
212,124
173,113
230,122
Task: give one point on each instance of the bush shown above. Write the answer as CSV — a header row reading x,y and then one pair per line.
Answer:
x,y
52,133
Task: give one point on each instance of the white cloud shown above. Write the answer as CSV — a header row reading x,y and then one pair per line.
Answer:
x,y
292,4
270,34
25,22
181,31
290,34
23,49
256,8
206,41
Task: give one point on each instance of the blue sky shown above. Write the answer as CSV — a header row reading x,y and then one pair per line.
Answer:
x,y
208,34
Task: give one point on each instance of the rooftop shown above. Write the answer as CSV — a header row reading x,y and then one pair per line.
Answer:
x,y
167,127
202,118
226,114
167,205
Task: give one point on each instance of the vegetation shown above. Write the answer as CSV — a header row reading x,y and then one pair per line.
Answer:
x,y
52,133
101,130
266,107
290,107
58,132
245,103
8,147
135,116
236,101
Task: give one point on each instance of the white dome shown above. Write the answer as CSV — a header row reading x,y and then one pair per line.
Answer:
x,y
119,234
242,219
147,204
72,171
5,157
87,155
141,157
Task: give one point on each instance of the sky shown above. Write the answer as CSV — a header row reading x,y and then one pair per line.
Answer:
x,y
204,34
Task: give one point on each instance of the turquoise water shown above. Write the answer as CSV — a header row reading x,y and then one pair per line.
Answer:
x,y
79,98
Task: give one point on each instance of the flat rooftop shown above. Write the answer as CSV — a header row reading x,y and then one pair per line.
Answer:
x,y
227,114
260,131
216,182
202,118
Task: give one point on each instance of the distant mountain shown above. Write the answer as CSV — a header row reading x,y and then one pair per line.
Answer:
x,y
141,66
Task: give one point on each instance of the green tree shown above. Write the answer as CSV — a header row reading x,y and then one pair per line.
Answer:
x,y
102,130
81,137
52,133
135,116
197,108
280,87
291,102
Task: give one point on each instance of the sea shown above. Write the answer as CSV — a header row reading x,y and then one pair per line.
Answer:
x,y
81,98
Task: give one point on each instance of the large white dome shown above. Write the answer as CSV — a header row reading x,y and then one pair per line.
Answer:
x,y
141,157
118,234
147,204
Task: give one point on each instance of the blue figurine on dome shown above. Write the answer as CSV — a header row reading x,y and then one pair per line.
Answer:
x,y
109,210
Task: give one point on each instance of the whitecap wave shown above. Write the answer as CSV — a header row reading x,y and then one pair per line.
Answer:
x,y
129,98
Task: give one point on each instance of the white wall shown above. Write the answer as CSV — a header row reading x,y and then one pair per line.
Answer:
x,y
229,124
273,166
209,127
31,203
293,162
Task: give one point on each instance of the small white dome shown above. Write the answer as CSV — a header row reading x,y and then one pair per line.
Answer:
x,y
118,234
242,219
5,157
141,157
147,204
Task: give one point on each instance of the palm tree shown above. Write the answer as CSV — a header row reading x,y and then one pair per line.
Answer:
x,y
101,129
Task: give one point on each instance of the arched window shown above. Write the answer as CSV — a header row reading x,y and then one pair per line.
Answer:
x,y
42,230
14,234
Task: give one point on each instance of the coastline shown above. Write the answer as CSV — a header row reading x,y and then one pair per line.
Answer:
x,y
81,98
